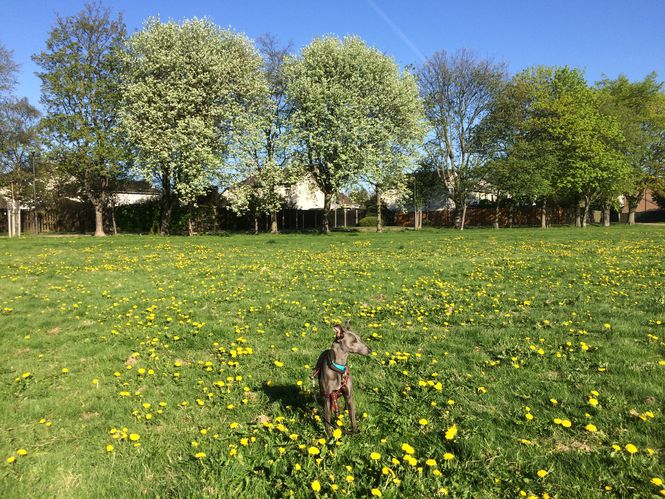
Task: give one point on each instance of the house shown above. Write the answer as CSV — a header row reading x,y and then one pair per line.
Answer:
x,y
303,207
647,210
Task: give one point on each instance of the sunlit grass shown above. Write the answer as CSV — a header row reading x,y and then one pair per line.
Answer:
x,y
507,363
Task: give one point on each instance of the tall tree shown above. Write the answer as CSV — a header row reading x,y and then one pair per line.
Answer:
x,y
353,112
523,166
639,108
263,158
591,166
8,70
393,152
18,129
81,71
190,90
458,91
550,141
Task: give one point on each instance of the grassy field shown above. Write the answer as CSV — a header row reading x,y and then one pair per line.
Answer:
x,y
507,363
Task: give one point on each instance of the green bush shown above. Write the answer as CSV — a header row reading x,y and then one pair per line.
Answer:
x,y
368,222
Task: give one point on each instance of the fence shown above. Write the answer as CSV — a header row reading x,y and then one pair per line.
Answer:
x,y
483,217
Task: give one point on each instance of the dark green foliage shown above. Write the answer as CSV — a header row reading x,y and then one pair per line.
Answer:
x,y
369,221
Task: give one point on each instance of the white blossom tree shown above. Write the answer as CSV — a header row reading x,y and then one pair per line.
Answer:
x,y
188,94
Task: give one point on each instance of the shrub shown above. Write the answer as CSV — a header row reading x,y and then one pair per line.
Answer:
x,y
368,222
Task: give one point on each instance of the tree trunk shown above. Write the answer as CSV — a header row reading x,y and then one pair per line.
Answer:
x,y
99,218
379,225
273,223
113,224
631,216
633,203
256,224
190,224
167,205
497,210
578,218
585,218
325,226
543,215
463,218
606,214
511,214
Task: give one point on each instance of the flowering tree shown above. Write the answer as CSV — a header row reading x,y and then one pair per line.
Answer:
x,y
353,112
189,91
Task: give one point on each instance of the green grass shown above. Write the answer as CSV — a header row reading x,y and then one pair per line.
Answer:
x,y
503,320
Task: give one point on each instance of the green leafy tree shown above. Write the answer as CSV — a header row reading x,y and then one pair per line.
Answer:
x,y
591,166
81,71
639,108
550,141
353,112
458,91
19,128
190,90
522,164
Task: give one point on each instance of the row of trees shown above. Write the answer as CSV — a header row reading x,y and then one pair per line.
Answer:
x,y
190,106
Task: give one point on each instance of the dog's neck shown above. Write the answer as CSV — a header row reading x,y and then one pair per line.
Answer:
x,y
340,355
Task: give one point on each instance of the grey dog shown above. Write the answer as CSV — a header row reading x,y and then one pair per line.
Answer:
x,y
334,376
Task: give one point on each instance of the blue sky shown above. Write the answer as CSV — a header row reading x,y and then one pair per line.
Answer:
x,y
607,37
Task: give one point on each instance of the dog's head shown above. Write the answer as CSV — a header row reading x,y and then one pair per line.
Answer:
x,y
349,340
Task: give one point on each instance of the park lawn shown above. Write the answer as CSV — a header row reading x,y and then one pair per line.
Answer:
x,y
512,363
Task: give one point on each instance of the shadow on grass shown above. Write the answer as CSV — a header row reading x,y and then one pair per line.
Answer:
x,y
290,397
298,402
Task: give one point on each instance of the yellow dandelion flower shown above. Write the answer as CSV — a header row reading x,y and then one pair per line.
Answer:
x,y
375,456
109,448
134,437
591,427
657,481
313,451
11,459
376,493
431,462
337,433
408,449
631,449
448,456
423,422
452,431
566,423
22,452
316,486
542,473
200,455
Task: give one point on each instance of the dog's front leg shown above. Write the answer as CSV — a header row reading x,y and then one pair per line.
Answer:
x,y
351,406
327,410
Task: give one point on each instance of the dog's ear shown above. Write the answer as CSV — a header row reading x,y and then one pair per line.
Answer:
x,y
347,324
339,332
